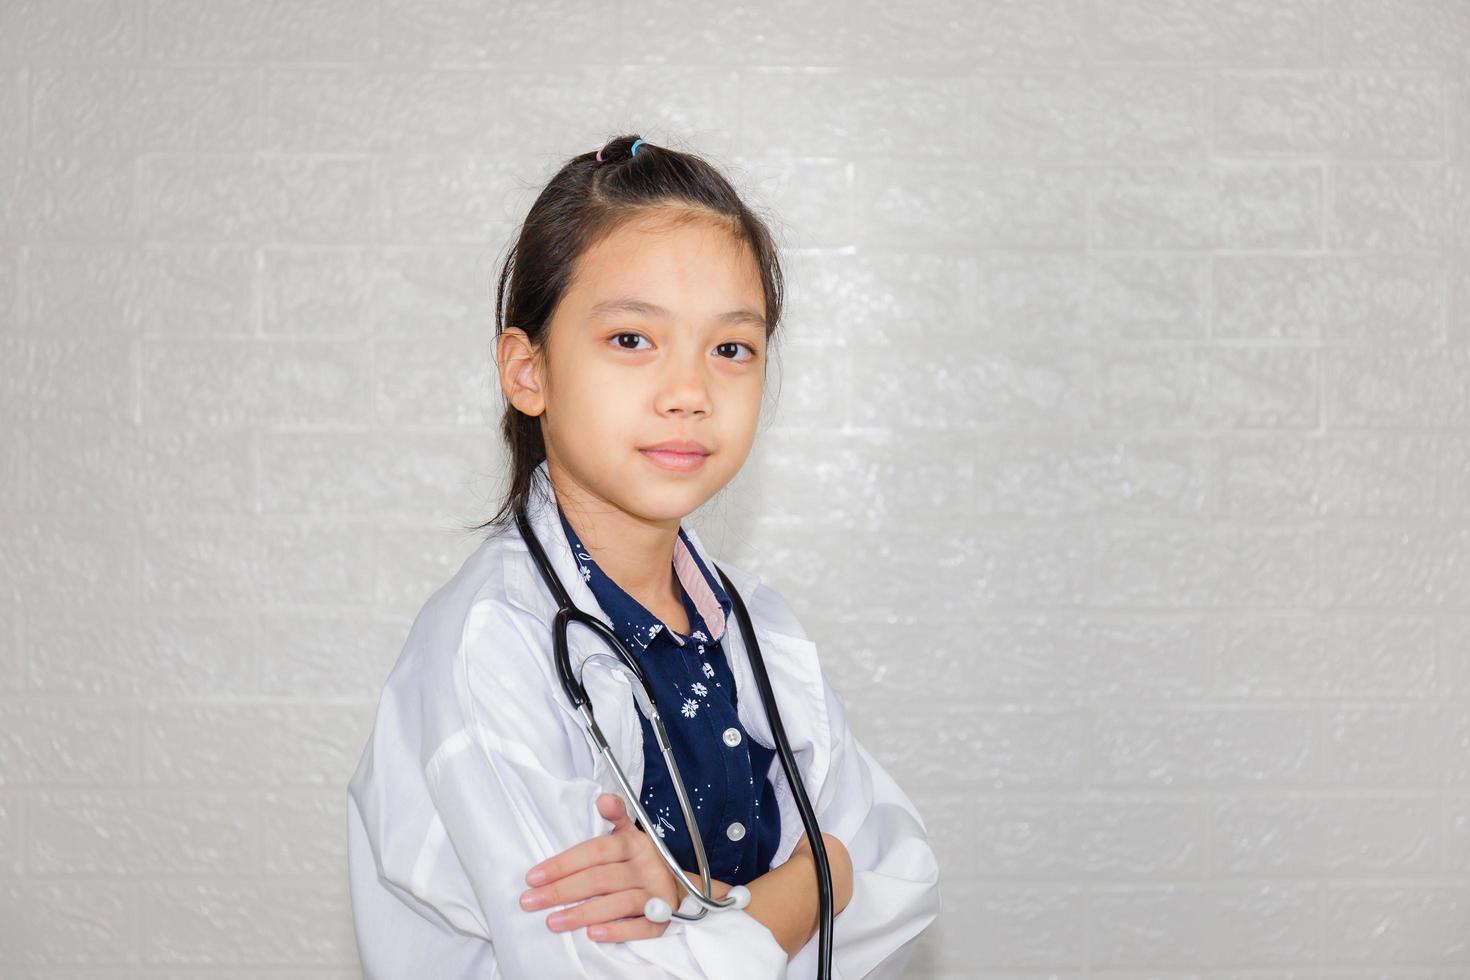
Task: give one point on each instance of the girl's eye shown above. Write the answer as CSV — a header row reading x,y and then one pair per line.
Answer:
x,y
738,343
620,336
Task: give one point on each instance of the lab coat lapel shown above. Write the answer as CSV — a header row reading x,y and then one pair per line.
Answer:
x,y
790,659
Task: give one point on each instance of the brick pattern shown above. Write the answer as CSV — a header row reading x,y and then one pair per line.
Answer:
x,y
1118,457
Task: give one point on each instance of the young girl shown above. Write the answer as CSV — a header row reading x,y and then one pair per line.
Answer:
x,y
487,836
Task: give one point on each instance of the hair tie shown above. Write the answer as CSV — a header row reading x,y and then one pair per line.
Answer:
x,y
632,152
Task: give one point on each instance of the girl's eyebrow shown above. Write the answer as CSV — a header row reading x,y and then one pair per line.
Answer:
x,y
645,308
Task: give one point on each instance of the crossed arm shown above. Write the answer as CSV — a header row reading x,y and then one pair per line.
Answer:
x,y
613,875
785,899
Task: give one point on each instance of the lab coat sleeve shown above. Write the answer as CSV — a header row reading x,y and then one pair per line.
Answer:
x,y
895,893
496,806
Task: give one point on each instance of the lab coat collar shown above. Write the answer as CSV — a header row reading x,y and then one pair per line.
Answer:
x,y
790,659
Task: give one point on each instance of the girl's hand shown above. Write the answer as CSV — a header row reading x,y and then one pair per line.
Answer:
x,y
615,873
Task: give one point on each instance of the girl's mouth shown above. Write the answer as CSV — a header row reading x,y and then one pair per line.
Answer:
x,y
679,462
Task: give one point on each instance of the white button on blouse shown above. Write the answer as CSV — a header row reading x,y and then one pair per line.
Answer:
x,y
732,737
735,831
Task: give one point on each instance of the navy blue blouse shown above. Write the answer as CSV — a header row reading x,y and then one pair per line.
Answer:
x,y
695,692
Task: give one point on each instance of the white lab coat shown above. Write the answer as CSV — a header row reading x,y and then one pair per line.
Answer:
x,y
478,768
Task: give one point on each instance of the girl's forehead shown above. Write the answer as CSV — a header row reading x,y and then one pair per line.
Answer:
x,y
635,244
681,266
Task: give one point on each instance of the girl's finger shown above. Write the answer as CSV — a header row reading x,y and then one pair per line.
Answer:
x,y
612,807
590,883
603,909
622,930
602,849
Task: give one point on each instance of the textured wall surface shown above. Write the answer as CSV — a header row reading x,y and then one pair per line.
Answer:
x,y
1120,464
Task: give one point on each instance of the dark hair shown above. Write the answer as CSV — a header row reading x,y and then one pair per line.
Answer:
x,y
585,201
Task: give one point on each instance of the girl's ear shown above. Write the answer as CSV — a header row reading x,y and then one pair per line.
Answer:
x,y
517,364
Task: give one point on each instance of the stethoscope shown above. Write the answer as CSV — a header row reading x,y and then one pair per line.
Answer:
x,y
656,909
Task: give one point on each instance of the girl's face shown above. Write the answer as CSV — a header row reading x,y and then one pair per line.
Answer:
x,y
660,336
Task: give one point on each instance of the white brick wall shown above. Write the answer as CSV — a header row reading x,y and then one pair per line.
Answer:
x,y
1120,461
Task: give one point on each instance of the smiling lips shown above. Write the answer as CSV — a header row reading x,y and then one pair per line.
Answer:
x,y
680,455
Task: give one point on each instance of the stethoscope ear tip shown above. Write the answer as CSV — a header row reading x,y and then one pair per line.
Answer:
x,y
658,910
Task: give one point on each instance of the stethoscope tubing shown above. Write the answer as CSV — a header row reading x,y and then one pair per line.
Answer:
x,y
793,777
631,795
577,693
739,896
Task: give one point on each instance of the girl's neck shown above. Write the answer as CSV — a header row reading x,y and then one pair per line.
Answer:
x,y
638,556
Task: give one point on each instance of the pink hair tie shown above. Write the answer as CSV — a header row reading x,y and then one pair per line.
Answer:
x,y
599,154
